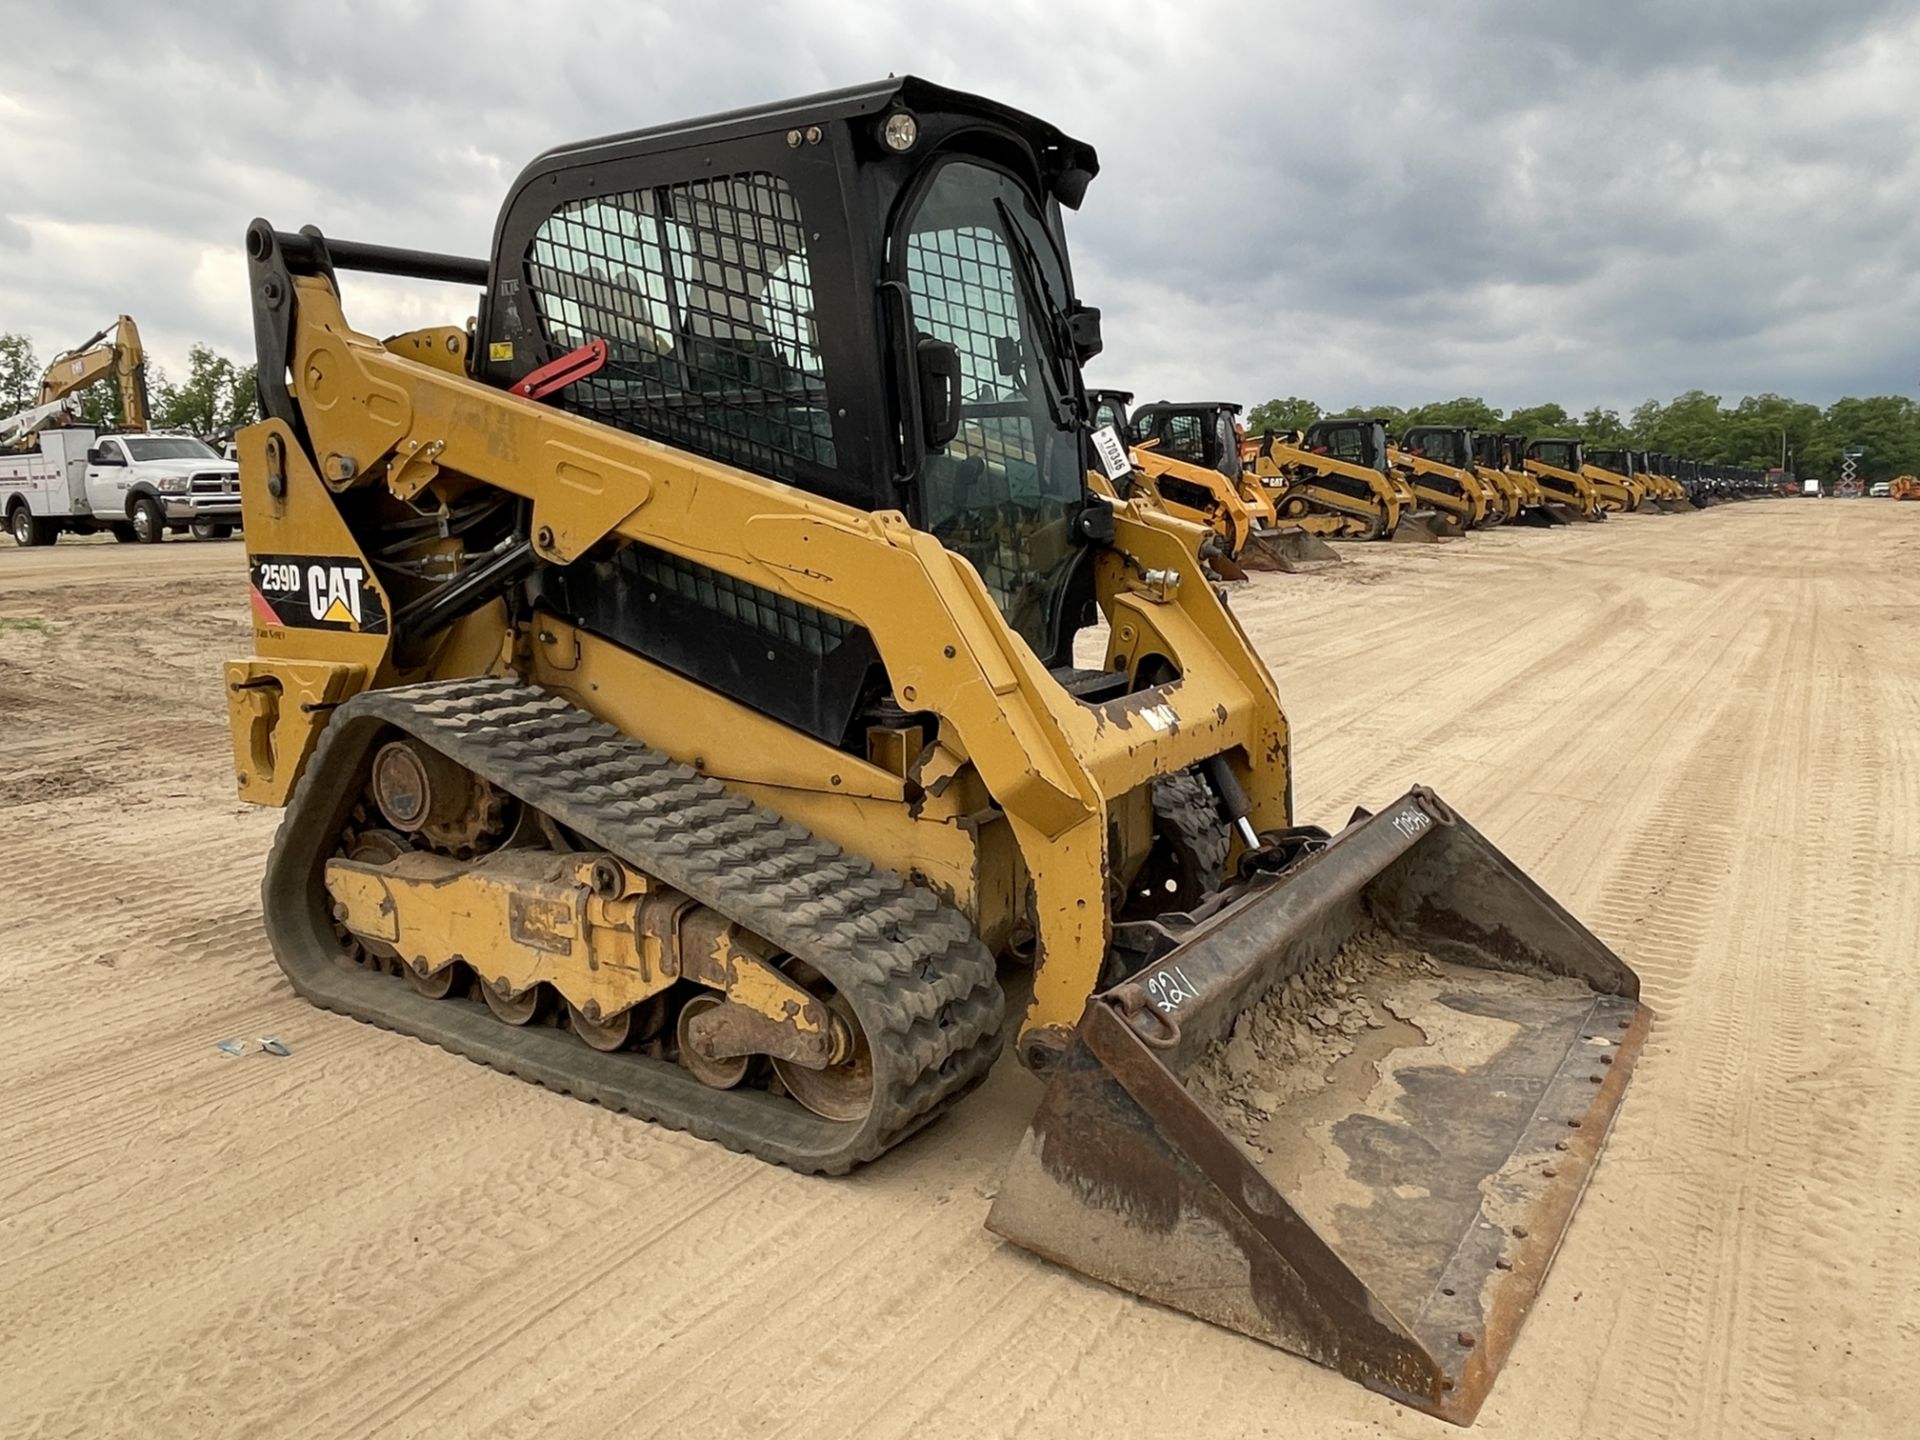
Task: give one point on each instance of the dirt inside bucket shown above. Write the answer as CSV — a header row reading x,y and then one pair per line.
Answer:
x,y
1383,1094
1284,1047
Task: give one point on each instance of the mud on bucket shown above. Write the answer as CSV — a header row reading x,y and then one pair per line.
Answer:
x,y
1349,1111
1287,549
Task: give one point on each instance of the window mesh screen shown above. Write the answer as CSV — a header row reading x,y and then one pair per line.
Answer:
x,y
963,290
702,292
1181,438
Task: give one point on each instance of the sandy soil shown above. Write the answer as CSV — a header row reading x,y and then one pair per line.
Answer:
x,y
1701,732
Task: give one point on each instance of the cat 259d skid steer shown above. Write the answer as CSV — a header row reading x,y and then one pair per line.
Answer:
x,y
1189,453
669,678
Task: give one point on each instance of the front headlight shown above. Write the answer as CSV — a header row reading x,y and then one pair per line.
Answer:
x,y
173,484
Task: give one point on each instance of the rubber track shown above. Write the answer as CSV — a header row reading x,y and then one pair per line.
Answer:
x,y
1324,499
920,982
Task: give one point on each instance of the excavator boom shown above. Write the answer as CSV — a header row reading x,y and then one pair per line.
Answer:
x,y
115,351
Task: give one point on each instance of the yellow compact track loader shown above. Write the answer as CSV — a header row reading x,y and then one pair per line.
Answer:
x,y
1456,493
1496,455
1559,465
1664,491
669,678
1621,478
1189,453
1334,479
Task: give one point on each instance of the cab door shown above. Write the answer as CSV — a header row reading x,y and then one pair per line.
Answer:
x,y
108,476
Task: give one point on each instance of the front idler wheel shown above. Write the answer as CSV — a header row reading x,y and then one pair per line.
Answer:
x,y
843,1090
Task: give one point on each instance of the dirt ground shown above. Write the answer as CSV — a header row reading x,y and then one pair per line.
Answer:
x,y
1701,732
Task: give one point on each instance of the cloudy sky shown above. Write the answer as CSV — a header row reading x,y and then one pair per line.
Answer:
x,y
1527,200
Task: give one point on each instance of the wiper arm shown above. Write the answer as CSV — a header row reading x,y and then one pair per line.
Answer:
x,y
1039,300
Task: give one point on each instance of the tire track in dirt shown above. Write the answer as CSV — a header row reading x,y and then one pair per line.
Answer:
x,y
375,1238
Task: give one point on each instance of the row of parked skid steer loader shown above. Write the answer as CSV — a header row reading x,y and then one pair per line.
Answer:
x,y
1270,500
671,671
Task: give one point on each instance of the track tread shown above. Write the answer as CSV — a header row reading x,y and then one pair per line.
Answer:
x,y
920,981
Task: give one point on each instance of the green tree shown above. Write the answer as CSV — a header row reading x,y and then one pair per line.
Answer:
x,y
1691,425
19,374
1292,413
1644,421
1603,427
1468,410
1547,419
1886,427
204,400
244,402
1395,417
1755,431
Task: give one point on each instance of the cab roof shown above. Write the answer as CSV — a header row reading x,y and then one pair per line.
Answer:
x,y
1060,155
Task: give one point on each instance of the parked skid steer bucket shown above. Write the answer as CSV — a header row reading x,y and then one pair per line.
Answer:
x,y
1422,526
1349,1110
1289,550
1557,512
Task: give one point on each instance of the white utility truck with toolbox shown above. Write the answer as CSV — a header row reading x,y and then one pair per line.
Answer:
x,y
136,487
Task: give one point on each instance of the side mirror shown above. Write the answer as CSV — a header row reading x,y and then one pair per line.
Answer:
x,y
937,365
1083,327
93,455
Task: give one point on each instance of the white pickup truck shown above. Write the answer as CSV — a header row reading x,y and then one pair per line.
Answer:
x,y
138,487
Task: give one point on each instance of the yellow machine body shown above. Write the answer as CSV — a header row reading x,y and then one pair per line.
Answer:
x,y
1008,734
654,868
1459,494
1325,495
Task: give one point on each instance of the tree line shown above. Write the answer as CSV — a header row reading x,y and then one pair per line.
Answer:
x,y
1695,425
216,397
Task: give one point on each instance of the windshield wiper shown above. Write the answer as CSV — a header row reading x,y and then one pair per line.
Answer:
x,y
1038,295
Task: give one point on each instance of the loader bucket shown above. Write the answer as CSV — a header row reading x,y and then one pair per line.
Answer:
x,y
1572,514
1230,567
1288,550
1349,1110
1419,527
1544,515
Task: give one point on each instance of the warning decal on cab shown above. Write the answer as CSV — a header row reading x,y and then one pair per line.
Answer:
x,y
316,592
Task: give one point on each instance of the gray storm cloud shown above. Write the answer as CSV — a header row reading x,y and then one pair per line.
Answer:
x,y
1360,202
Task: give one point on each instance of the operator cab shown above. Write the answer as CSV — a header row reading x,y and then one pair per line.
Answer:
x,y
1204,433
1444,444
1494,452
1357,442
1562,454
1110,408
864,294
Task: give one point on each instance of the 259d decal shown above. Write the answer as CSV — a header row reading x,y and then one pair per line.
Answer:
x,y
316,592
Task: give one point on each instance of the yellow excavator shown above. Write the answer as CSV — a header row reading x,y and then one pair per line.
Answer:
x,y
1559,466
670,679
1438,468
1188,454
1334,479
115,351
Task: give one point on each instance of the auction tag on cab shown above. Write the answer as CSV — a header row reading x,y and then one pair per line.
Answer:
x,y
1113,453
